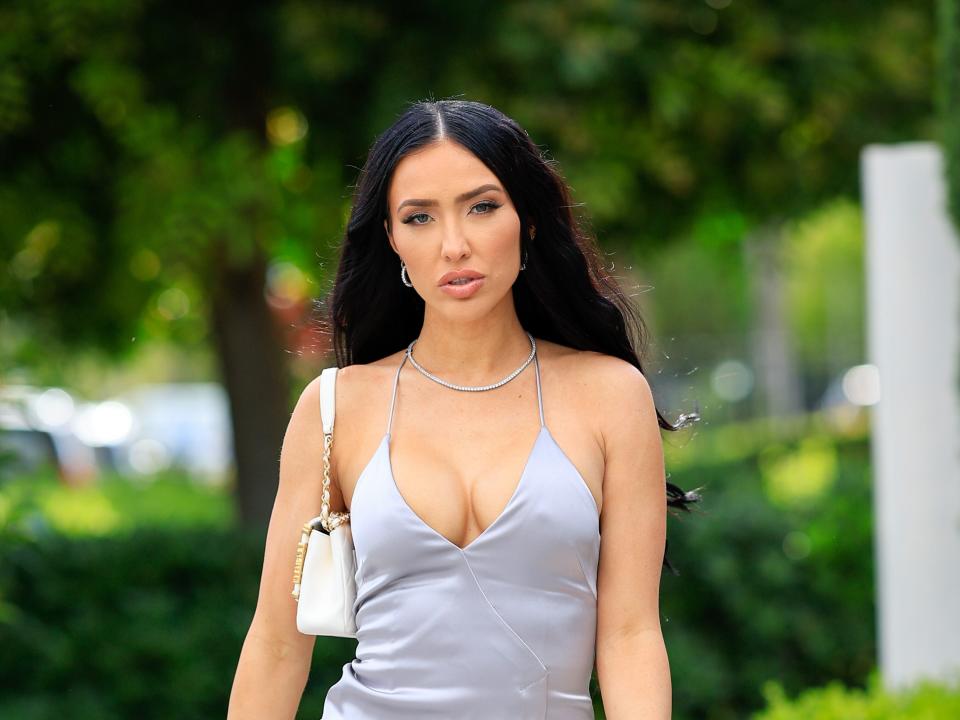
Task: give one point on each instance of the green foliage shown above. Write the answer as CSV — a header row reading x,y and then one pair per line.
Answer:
x,y
141,625
925,700
134,163
948,99
775,583
159,163
826,295
676,274
111,505
776,576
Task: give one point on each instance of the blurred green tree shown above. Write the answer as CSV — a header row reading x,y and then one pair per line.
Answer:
x,y
948,101
948,97
152,146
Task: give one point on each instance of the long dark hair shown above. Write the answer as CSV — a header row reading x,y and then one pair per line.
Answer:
x,y
564,295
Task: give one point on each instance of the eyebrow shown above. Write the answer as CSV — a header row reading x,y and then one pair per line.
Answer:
x,y
460,198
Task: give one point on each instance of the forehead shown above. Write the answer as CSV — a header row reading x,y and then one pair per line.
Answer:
x,y
442,169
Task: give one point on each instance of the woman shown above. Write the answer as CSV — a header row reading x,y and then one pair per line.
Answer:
x,y
497,447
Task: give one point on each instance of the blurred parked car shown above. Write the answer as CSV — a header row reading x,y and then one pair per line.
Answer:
x,y
148,429
35,432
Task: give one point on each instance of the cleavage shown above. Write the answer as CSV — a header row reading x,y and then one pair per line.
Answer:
x,y
472,502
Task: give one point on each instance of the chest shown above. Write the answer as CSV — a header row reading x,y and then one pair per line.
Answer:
x,y
456,462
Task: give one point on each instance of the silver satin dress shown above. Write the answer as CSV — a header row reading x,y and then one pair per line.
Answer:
x,y
502,628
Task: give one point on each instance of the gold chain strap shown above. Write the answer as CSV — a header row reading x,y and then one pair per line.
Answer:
x,y
329,520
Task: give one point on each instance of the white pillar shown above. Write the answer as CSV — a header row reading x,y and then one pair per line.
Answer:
x,y
913,336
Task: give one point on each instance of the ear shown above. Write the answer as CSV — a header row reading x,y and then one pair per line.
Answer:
x,y
386,229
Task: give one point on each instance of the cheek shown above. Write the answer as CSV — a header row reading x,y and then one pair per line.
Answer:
x,y
504,237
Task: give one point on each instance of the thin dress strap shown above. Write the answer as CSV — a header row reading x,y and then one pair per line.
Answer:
x,y
393,398
536,362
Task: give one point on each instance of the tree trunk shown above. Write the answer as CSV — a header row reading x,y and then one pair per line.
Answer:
x,y
253,369
780,393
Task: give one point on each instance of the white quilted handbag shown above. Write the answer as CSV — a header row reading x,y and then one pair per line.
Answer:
x,y
324,576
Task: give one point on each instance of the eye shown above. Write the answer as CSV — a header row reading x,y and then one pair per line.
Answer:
x,y
488,204
408,220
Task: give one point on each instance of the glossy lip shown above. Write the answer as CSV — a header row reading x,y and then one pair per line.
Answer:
x,y
463,291
454,274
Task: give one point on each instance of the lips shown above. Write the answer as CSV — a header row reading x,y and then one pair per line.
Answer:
x,y
470,288
466,273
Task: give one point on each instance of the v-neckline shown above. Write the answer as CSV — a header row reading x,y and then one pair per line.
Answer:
x,y
385,443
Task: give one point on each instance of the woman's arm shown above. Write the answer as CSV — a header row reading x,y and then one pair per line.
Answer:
x,y
632,665
275,660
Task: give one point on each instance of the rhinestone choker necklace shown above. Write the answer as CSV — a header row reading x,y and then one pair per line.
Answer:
x,y
473,388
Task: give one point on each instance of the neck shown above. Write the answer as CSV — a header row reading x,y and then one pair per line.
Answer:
x,y
473,353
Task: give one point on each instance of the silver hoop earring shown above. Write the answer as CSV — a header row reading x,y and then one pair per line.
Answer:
x,y
523,265
404,278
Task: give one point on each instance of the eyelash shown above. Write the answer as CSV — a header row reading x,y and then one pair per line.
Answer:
x,y
493,206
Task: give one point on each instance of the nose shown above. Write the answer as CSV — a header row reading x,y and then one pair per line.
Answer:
x,y
454,243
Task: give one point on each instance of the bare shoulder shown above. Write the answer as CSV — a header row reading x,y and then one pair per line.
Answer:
x,y
623,391
602,374
610,391
361,383
616,377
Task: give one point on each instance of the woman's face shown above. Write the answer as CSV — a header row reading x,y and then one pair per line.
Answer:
x,y
449,212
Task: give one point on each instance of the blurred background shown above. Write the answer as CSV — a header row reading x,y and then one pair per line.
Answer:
x,y
174,183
